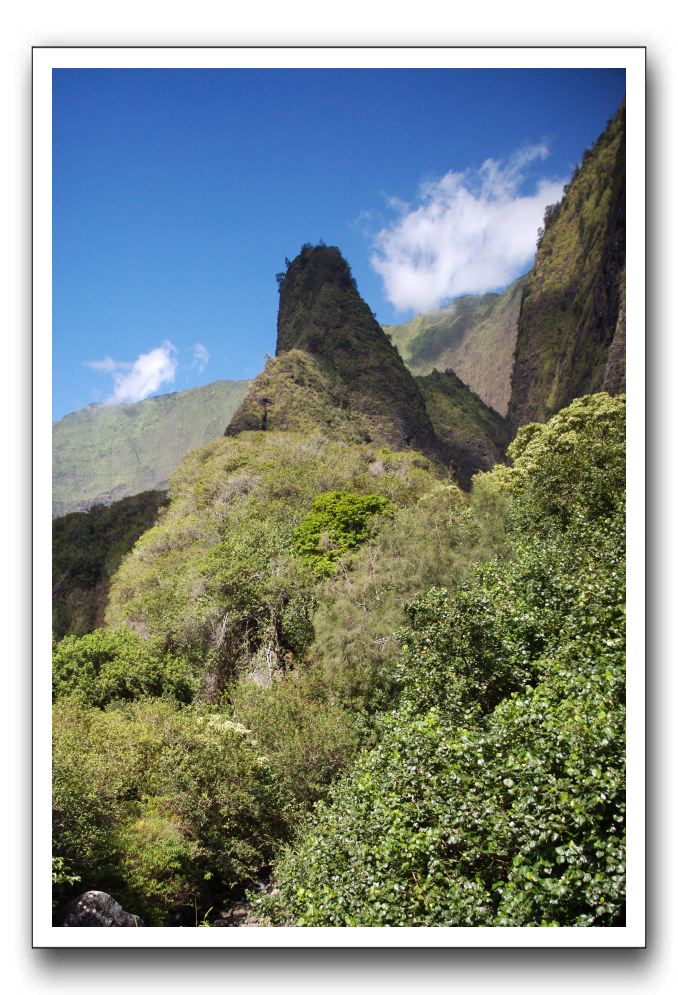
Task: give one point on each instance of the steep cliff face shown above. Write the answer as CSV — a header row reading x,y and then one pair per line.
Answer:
x,y
571,304
474,335
334,359
615,370
87,549
474,435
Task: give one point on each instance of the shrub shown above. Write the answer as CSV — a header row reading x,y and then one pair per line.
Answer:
x,y
110,664
574,464
338,521
308,738
160,804
495,795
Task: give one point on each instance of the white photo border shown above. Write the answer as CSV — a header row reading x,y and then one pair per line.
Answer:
x,y
45,59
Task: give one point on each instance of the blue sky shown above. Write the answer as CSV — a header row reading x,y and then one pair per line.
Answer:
x,y
177,195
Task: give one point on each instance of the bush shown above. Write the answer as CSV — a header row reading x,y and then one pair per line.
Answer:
x,y
574,464
160,805
111,664
338,521
309,738
495,795
519,823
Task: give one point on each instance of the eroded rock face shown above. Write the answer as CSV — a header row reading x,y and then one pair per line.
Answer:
x,y
96,908
334,366
573,306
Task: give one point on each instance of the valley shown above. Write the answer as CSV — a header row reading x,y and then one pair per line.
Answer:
x,y
350,650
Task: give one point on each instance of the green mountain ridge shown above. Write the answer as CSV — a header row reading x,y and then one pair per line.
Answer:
x,y
474,335
87,549
475,435
323,316
106,452
573,307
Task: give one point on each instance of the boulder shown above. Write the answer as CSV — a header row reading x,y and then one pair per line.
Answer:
x,y
96,908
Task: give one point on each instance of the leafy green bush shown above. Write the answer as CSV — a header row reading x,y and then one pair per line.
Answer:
x,y
110,664
574,464
161,805
338,521
308,737
518,823
219,574
495,795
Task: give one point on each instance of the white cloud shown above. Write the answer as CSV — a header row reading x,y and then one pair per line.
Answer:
x,y
137,380
468,232
200,357
107,365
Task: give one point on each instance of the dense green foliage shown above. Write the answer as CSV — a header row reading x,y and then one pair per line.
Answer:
x,y
220,573
474,335
106,452
111,664
337,523
87,548
307,733
158,803
574,292
495,795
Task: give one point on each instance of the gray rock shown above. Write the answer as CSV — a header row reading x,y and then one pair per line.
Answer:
x,y
96,908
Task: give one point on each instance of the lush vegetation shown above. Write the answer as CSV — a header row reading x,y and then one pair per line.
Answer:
x,y
115,665
87,549
575,292
495,795
106,452
158,803
329,661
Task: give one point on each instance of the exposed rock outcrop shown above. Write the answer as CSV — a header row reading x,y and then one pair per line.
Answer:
x,y
335,364
571,304
97,908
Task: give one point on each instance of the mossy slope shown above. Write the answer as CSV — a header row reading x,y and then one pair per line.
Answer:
x,y
354,369
87,549
571,303
106,452
295,393
474,434
220,573
474,335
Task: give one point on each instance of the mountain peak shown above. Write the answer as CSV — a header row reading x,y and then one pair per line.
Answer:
x,y
320,303
322,315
